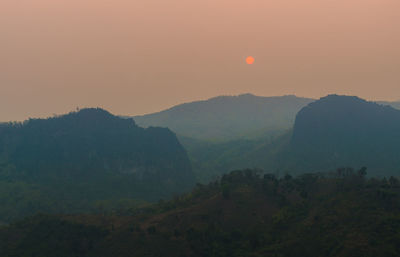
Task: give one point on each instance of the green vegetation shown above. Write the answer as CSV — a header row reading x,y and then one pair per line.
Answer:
x,y
246,213
94,174
210,160
87,161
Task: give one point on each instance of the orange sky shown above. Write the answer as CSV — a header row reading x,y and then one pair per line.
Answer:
x,y
134,57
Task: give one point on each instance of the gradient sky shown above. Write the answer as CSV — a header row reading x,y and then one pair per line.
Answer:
x,y
140,56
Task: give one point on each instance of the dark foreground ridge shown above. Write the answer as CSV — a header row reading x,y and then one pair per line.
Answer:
x,y
337,214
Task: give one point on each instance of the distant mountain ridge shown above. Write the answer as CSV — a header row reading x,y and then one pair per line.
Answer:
x,y
228,117
394,104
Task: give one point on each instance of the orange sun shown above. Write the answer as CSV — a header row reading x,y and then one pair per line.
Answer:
x,y
250,60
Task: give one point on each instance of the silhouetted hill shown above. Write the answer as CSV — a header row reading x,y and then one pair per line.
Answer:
x,y
92,155
347,131
228,117
242,215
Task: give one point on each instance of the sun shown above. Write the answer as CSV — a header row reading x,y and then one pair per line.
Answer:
x,y
250,60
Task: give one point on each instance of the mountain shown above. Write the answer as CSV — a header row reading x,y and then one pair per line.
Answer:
x,y
228,117
242,215
89,156
284,152
395,104
211,160
347,131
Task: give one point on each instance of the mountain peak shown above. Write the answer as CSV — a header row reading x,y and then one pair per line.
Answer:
x,y
347,131
91,113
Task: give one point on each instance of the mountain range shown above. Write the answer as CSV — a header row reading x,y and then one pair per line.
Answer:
x,y
227,118
332,132
91,160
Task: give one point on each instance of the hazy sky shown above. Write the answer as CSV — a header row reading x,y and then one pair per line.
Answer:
x,y
140,56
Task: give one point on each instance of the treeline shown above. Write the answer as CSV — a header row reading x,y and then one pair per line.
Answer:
x,y
245,213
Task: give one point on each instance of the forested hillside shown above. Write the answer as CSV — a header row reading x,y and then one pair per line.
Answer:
x,y
347,131
334,214
211,160
86,160
331,132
